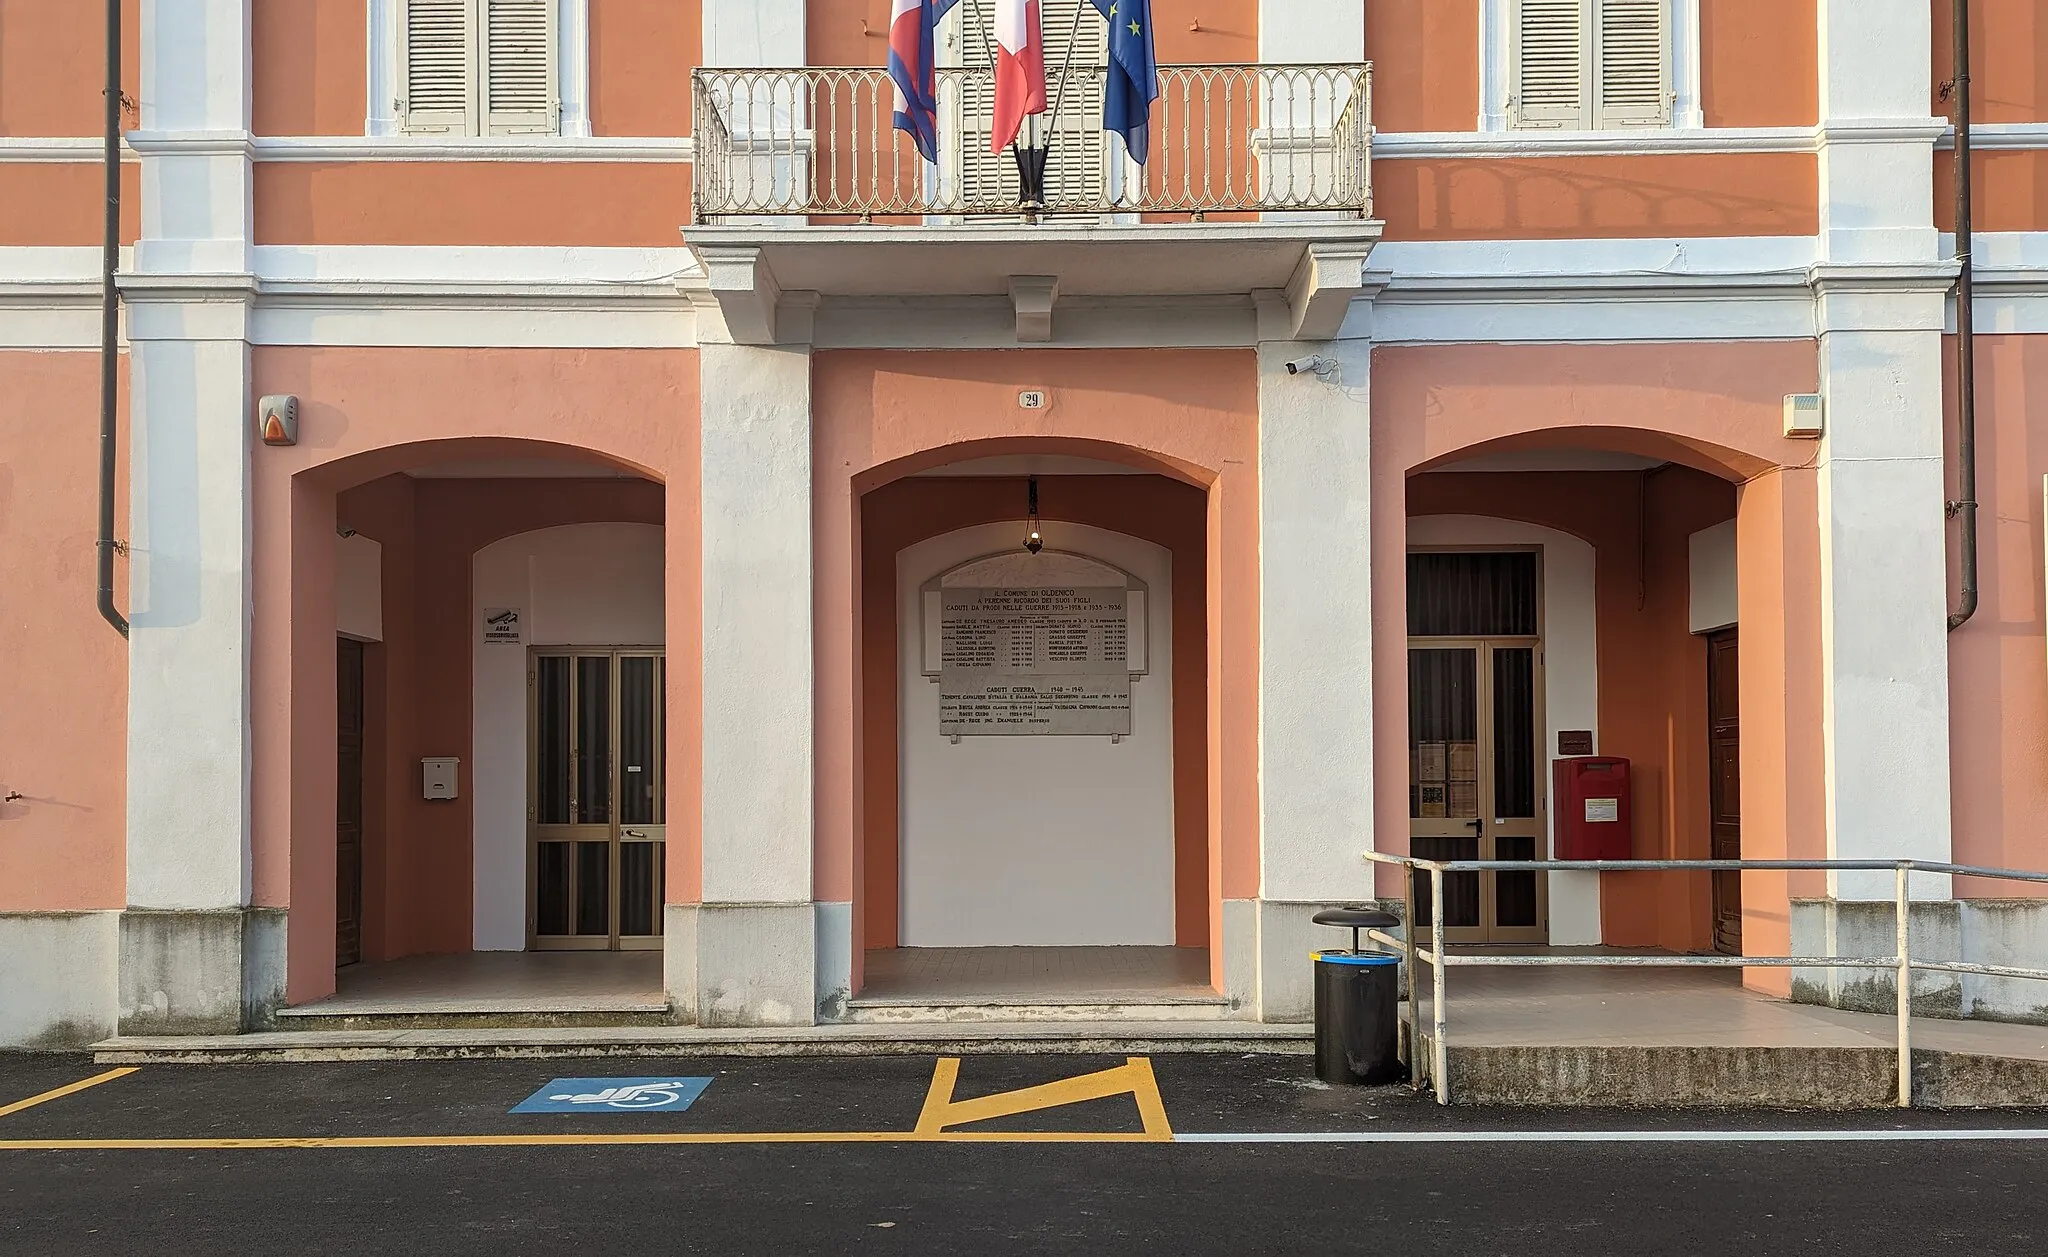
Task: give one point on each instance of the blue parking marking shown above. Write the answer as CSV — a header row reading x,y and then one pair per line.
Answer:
x,y
615,1095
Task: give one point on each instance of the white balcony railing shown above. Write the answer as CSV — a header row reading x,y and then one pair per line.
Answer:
x,y
1225,139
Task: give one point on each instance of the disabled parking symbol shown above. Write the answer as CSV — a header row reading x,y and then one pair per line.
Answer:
x,y
614,1095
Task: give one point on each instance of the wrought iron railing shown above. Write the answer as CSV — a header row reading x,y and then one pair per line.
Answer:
x,y
1224,139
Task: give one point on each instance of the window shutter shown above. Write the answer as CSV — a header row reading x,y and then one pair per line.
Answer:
x,y
1632,47
1075,162
437,53
518,95
1550,64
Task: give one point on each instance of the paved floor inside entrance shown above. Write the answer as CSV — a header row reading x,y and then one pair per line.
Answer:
x,y
1090,975
1525,1006
497,982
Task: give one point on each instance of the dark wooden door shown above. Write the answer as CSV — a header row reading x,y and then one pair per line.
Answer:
x,y
1724,790
348,804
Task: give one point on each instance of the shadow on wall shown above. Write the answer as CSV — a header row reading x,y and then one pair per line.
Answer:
x,y
1570,197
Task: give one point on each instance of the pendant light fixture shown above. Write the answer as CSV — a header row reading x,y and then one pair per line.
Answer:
x,y
1032,541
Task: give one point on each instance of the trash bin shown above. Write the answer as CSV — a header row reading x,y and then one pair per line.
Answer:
x,y
1358,1032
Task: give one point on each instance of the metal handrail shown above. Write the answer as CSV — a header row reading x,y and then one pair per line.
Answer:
x,y
1901,962
820,140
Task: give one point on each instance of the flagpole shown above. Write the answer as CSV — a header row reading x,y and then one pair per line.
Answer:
x,y
1016,152
1066,63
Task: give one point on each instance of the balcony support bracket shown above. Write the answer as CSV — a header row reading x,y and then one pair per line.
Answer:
x,y
739,280
1330,275
1034,296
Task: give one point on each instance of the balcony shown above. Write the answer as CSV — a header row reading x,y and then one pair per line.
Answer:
x,y
1257,178
1226,139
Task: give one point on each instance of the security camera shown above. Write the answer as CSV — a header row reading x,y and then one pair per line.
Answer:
x,y
1315,364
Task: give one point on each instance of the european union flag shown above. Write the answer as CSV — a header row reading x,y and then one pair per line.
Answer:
x,y
1133,74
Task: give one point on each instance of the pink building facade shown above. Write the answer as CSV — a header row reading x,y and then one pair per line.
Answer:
x,y
646,571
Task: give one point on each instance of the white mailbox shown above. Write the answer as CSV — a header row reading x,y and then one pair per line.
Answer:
x,y
437,777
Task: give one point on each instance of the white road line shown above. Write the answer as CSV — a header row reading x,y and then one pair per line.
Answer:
x,y
1610,1136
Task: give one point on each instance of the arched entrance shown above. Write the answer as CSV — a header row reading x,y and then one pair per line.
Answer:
x,y
1037,822
1557,579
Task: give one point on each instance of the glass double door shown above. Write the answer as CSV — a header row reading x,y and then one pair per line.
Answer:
x,y
596,813
1473,790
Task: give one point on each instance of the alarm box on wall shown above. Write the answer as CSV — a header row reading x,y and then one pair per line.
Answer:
x,y
1591,796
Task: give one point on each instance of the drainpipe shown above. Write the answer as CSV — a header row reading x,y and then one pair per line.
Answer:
x,y
110,324
1965,505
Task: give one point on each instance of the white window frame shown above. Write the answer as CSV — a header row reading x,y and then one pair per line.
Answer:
x,y
572,73
1496,56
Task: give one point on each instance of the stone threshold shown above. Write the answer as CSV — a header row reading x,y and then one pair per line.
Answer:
x,y
884,1039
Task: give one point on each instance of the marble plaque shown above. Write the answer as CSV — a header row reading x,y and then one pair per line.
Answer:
x,y
1035,661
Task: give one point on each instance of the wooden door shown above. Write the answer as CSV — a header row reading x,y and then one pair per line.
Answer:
x,y
348,803
1724,790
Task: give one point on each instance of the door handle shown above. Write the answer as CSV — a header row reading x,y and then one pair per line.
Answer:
x,y
634,833
1476,824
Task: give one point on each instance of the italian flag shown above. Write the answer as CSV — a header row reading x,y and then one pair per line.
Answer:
x,y
1020,70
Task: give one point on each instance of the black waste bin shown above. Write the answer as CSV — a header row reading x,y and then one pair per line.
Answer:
x,y
1358,1033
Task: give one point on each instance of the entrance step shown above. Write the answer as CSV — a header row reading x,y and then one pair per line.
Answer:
x,y
1787,1076
955,1039
591,1018
906,1011
475,1013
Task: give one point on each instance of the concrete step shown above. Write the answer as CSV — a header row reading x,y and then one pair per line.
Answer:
x,y
907,1012
943,1039
508,1017
1720,1076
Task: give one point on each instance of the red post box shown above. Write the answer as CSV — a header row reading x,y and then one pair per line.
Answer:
x,y
1591,795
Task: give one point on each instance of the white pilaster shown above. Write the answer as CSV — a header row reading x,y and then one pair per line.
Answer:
x,y
1879,296
755,950
188,718
196,111
1315,648
1884,583
187,954
1877,139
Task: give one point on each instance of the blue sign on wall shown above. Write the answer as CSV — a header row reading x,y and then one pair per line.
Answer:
x,y
615,1095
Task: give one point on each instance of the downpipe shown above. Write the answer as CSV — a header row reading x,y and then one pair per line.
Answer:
x,y
1964,506
110,326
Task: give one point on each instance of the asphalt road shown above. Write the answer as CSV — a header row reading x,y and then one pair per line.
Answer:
x,y
394,1174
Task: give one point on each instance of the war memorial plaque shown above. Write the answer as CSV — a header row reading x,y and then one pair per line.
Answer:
x,y
1035,661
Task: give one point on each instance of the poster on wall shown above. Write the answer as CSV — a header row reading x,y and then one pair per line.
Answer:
x,y
1035,661
501,625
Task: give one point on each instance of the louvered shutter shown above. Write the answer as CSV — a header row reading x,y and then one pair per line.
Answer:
x,y
437,50
1550,62
1632,47
518,95
1075,164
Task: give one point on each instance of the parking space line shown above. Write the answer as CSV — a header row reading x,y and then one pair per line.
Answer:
x,y
61,1092
556,1141
1134,1078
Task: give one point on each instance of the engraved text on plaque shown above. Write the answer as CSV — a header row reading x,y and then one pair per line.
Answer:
x,y
1035,661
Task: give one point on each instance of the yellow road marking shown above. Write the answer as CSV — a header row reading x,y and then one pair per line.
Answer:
x,y
61,1092
1133,1077
552,1141
941,1111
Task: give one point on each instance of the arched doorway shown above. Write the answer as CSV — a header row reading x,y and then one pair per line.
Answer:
x,y
1037,822
457,579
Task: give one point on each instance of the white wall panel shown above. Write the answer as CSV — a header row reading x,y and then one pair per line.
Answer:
x,y
1037,841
